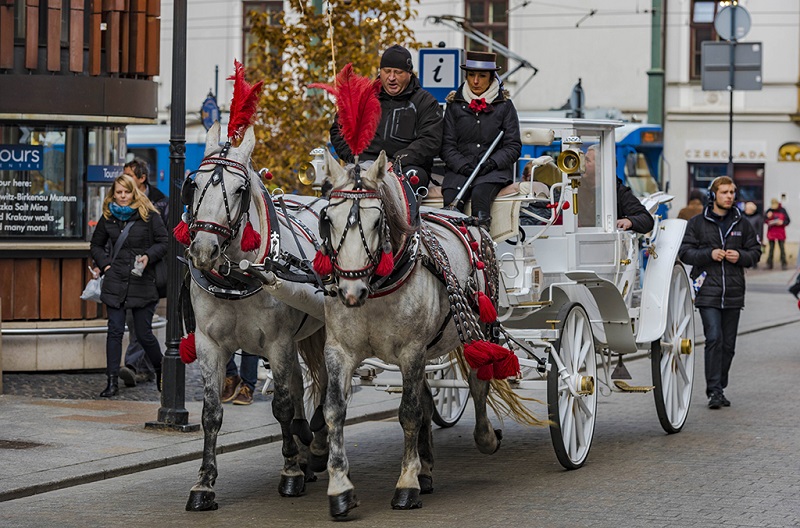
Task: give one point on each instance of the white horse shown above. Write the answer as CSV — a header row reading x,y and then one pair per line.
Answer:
x,y
234,312
411,324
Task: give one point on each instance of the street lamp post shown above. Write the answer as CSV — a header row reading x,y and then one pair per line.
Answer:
x,y
172,414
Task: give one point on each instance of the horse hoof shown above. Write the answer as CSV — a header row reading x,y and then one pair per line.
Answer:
x,y
201,501
299,427
310,476
293,486
425,484
318,463
340,505
499,434
318,420
406,499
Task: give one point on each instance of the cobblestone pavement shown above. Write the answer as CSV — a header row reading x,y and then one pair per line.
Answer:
x,y
86,385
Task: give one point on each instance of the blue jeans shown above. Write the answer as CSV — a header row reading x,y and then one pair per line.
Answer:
x,y
142,326
248,371
720,327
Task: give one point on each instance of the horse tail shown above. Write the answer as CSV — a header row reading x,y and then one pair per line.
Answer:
x,y
503,400
312,350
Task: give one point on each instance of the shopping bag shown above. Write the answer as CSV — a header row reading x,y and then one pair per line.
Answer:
x,y
93,290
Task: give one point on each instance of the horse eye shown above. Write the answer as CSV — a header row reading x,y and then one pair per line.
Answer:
x,y
240,190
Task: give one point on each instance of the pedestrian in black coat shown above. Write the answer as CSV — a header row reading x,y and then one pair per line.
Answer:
x,y
631,214
410,130
475,115
719,244
146,244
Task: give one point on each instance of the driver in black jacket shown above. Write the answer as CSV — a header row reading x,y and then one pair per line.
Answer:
x,y
410,130
720,243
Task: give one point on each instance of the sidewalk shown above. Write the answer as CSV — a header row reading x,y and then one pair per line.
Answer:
x,y
48,444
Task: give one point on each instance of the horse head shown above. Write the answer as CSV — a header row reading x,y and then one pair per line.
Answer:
x,y
365,220
218,198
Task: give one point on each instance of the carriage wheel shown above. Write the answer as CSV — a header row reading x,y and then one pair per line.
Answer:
x,y
449,403
672,356
571,393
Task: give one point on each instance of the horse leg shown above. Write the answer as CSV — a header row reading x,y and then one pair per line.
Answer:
x,y
341,494
486,438
425,443
212,365
285,370
411,415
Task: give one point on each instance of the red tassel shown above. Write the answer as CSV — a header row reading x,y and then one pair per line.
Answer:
x,y
486,308
507,367
486,373
181,233
478,354
251,239
188,349
463,230
386,265
480,265
474,245
322,264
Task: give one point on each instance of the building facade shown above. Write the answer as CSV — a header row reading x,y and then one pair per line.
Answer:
x,y
73,74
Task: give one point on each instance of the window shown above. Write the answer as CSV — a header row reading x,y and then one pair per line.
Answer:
x,y
490,17
748,177
272,8
702,29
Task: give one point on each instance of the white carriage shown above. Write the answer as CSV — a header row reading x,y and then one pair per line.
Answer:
x,y
574,300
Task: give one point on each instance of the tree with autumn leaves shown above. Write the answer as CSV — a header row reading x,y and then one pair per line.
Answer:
x,y
302,46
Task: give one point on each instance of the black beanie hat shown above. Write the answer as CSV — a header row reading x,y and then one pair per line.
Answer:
x,y
397,57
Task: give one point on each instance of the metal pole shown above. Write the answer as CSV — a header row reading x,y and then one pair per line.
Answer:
x,y
172,413
486,155
730,89
216,82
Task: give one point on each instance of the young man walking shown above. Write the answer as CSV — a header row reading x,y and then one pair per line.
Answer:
x,y
720,244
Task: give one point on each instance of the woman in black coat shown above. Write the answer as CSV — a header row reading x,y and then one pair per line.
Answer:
x,y
123,288
475,114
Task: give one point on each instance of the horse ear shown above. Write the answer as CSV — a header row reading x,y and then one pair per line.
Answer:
x,y
377,171
334,171
248,143
212,138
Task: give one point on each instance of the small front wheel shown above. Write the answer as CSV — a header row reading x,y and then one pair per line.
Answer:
x,y
449,402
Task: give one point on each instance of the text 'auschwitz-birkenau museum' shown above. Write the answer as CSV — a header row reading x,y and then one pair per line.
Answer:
x,y
73,74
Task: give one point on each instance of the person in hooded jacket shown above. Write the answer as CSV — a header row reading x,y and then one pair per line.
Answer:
x,y
720,244
145,244
410,130
476,113
776,219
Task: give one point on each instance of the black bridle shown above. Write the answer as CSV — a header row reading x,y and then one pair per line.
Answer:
x,y
219,165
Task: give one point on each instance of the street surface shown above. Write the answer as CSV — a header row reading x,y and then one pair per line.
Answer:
x,y
733,467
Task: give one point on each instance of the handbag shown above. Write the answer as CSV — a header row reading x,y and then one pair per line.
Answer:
x,y
94,287
160,269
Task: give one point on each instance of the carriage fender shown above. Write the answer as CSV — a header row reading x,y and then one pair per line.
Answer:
x,y
657,280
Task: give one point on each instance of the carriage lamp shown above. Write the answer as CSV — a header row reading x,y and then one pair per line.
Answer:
x,y
313,173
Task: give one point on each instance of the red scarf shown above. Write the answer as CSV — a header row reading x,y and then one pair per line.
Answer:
x,y
478,105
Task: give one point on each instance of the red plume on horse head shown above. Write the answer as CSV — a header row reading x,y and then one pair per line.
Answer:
x,y
243,103
358,107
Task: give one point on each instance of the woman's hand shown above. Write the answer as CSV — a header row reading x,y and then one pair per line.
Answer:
x,y
106,268
144,259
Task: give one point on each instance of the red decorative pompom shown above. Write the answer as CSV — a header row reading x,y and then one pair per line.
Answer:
x,y
486,309
187,349
251,239
478,354
267,175
386,265
181,233
414,180
486,373
565,206
474,245
463,230
322,264
480,265
507,367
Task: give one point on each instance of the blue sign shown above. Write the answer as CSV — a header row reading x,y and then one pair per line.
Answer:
x,y
209,112
102,173
439,71
21,157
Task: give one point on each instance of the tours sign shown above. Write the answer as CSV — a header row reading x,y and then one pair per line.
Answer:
x,y
21,157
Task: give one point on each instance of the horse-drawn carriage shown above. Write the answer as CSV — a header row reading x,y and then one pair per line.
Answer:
x,y
431,294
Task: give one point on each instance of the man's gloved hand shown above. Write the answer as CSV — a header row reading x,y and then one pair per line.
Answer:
x,y
487,167
467,169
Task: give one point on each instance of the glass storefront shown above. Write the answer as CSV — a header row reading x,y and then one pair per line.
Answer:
x,y
44,192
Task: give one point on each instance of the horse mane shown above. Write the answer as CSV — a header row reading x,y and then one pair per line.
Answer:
x,y
394,207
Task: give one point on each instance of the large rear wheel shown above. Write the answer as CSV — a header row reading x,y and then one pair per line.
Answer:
x,y
571,390
449,402
672,356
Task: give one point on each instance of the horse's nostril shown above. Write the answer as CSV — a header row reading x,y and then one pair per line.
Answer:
x,y
214,252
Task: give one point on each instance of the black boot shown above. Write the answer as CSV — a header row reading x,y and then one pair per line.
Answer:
x,y
112,388
484,219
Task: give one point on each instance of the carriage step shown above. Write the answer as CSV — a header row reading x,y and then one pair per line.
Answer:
x,y
623,386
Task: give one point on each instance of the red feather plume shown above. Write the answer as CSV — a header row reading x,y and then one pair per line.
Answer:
x,y
358,107
243,103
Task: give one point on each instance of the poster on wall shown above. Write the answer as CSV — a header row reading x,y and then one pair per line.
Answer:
x,y
32,198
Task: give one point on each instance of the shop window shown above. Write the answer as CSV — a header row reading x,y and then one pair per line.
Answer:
x,y
490,17
702,30
748,177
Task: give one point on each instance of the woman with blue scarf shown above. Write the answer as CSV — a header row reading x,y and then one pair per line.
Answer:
x,y
124,287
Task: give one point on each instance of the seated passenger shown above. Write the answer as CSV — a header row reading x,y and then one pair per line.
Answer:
x,y
475,115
